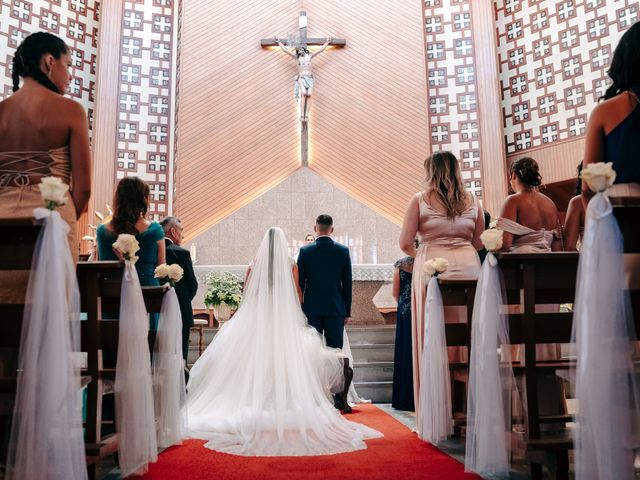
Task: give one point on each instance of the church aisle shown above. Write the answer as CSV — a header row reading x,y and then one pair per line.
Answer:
x,y
399,455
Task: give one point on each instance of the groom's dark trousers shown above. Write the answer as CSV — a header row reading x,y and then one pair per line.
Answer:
x,y
325,279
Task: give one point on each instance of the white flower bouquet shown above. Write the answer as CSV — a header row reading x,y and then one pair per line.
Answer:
x,y
435,266
53,191
224,287
492,239
128,246
599,176
170,274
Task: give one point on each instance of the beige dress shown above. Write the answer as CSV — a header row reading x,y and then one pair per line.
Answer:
x,y
449,238
20,174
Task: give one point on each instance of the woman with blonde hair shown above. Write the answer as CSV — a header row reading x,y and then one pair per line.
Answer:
x,y
448,221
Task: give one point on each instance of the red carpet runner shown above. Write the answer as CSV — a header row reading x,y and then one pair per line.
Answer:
x,y
399,455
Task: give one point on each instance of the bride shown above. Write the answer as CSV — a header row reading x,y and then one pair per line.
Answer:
x,y
263,385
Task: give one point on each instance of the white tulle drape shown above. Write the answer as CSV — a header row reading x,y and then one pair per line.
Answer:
x,y
603,328
46,436
135,421
352,396
168,373
434,422
262,387
488,447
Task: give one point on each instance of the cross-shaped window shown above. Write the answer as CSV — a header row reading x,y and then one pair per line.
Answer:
x,y
539,20
467,102
465,74
159,105
159,77
437,77
160,50
161,23
597,27
21,10
577,125
127,131
549,133
566,10
574,96
600,57
130,74
49,20
627,16
129,102
439,133
547,104
569,38
544,75
463,47
519,83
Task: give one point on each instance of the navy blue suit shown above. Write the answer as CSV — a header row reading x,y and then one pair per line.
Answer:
x,y
325,279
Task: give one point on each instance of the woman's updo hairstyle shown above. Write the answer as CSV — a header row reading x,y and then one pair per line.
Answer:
x,y
527,171
26,61
130,202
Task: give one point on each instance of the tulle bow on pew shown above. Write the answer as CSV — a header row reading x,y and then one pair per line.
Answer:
x,y
46,436
135,420
434,422
168,373
490,382
603,329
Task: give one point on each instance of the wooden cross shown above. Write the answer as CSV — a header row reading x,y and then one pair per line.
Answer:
x,y
301,40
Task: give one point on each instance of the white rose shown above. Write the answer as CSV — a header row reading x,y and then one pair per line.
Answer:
x,y
162,271
599,176
53,191
429,267
441,264
128,246
493,223
175,272
492,239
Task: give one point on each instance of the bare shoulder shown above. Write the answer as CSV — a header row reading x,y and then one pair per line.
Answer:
x,y
547,202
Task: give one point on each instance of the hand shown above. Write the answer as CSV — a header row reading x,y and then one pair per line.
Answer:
x,y
346,320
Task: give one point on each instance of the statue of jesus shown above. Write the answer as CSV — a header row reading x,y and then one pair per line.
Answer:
x,y
303,86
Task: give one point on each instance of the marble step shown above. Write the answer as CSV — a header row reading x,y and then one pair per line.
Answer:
x,y
373,352
373,372
377,392
385,334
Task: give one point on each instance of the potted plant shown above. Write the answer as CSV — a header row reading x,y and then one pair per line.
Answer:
x,y
224,294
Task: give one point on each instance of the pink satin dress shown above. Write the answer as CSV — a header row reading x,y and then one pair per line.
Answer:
x,y
448,238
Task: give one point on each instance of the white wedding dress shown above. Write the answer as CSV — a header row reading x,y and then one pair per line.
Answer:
x,y
263,385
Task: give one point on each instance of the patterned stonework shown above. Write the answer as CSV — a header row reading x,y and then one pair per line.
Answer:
x,y
451,70
145,110
76,21
553,60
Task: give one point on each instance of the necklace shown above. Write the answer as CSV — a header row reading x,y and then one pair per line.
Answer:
x,y
633,95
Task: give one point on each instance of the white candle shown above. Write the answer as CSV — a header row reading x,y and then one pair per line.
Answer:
x,y
192,251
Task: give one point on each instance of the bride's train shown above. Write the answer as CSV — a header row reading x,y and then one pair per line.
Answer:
x,y
263,386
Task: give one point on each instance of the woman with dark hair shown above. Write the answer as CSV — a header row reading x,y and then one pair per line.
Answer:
x,y
574,221
130,206
42,133
448,221
613,132
529,219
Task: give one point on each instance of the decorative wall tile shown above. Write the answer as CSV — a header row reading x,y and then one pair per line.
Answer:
x,y
554,57
451,70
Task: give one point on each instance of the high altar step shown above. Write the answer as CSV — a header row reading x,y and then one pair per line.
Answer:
x,y
372,348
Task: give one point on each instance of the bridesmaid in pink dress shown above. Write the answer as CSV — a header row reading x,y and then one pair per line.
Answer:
x,y
531,224
448,221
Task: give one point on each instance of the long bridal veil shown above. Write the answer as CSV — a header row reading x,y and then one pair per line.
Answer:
x,y
263,385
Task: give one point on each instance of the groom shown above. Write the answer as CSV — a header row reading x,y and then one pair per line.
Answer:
x,y
325,279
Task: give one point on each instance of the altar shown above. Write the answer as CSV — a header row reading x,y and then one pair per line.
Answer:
x,y
372,302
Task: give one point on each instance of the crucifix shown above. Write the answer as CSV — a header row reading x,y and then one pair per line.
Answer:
x,y
297,48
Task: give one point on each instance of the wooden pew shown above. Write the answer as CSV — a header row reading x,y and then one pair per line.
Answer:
x,y
100,284
459,292
17,242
